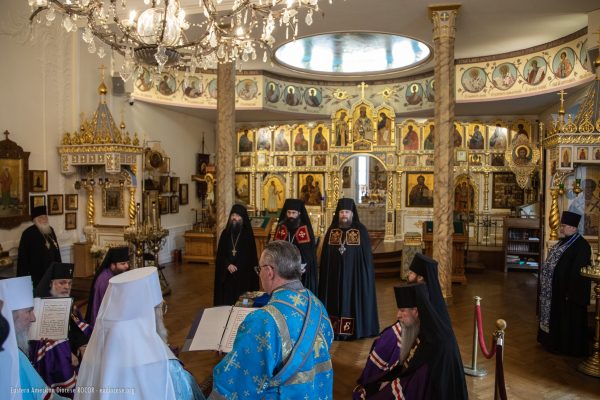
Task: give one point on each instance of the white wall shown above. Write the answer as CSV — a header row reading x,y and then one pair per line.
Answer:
x,y
47,82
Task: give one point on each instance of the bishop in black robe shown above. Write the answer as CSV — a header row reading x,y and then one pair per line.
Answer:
x,y
295,227
346,275
236,259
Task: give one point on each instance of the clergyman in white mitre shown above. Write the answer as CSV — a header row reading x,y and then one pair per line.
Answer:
x,y
18,379
126,357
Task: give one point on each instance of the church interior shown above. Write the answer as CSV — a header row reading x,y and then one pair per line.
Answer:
x,y
470,126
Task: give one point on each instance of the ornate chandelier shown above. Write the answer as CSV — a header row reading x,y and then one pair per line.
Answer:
x,y
161,35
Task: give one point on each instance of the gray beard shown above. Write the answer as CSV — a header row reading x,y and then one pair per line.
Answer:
x,y
54,294
46,229
408,336
23,341
161,330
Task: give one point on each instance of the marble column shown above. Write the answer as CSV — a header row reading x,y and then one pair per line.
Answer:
x,y
444,30
225,142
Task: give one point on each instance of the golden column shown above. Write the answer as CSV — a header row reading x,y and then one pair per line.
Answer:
x,y
225,142
554,218
90,204
444,31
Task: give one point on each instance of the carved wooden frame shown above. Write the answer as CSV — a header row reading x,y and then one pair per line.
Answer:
x,y
14,204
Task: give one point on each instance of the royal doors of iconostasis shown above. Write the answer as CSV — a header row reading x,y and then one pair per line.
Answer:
x,y
365,178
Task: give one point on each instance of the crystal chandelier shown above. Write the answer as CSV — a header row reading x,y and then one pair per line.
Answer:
x,y
161,35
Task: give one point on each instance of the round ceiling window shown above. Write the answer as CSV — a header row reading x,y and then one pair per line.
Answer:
x,y
352,53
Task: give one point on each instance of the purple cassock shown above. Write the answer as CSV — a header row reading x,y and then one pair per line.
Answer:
x,y
383,359
52,358
114,255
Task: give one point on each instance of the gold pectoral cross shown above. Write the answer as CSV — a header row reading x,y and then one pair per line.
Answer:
x,y
233,252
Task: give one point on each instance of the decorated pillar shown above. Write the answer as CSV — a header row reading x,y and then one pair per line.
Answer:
x,y
225,142
444,31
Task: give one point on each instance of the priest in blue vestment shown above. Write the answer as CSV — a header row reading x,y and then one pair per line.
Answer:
x,y
18,379
115,261
57,361
281,350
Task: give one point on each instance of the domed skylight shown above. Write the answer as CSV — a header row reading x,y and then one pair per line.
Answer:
x,y
352,53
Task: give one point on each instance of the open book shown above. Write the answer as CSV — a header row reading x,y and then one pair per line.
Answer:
x,y
51,318
218,328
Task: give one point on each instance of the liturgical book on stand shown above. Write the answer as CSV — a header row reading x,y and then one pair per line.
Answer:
x,y
51,318
218,328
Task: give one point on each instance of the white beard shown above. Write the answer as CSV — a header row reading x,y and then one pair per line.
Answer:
x,y
408,336
23,341
161,330
46,229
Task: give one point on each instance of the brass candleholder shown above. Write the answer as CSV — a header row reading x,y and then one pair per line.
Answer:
x,y
591,366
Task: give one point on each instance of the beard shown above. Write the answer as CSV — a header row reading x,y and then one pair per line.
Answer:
x,y
292,223
45,228
161,330
23,341
236,226
408,336
345,223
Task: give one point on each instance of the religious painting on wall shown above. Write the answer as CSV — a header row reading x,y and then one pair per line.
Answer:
x,y
419,189
291,95
587,203
521,128
55,204
272,92
410,136
475,160
312,97
242,188
414,94
320,133
504,76
385,127
263,139
310,188
194,88
112,202
174,204
167,84
39,181
522,154
582,153
346,177
70,221
282,139
506,193
320,160
498,134
535,70
341,134
144,80
410,160
475,136
183,194
300,141
428,136
300,161
37,200
565,158
362,125
245,161
596,153
563,62
473,80
458,135
245,141
163,205
497,160
71,202
273,193
281,161
14,183
247,89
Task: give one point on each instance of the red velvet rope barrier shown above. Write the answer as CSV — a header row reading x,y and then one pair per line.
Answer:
x,y
500,387
484,350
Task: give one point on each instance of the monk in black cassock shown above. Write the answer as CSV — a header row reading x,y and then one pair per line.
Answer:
x,y
236,258
430,367
564,293
38,247
346,275
295,227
